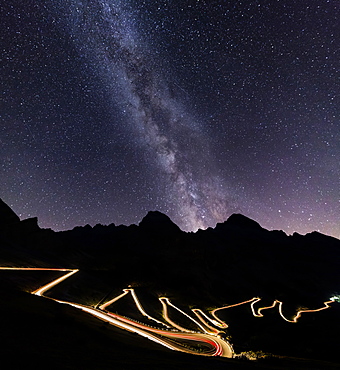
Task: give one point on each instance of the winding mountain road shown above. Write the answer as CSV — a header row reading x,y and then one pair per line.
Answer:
x,y
174,336
172,339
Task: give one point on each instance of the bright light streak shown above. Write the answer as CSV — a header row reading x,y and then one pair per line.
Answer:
x,y
141,309
199,313
183,313
34,269
137,303
48,286
103,306
167,318
216,343
280,304
259,314
218,346
222,348
221,323
297,316
108,318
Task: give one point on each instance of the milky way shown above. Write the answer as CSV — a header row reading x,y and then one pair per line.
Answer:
x,y
162,124
115,108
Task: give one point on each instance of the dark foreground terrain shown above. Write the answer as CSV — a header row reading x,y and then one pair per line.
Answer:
x,y
235,261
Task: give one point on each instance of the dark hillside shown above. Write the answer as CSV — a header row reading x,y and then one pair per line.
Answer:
x,y
233,262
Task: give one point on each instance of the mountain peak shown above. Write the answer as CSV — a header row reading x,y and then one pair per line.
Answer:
x,y
7,215
158,221
238,220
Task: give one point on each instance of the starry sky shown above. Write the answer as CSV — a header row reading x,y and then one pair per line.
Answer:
x,y
196,108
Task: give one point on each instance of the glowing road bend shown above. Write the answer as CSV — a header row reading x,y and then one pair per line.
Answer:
x,y
210,335
165,302
257,313
296,317
216,346
204,318
218,322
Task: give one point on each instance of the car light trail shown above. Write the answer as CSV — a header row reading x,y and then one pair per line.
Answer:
x,y
141,309
215,343
167,318
275,303
167,301
221,323
222,348
258,313
35,269
46,287
297,316
119,323
199,313
103,306
137,302
218,347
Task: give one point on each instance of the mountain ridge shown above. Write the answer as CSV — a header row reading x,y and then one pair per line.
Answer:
x,y
233,262
155,221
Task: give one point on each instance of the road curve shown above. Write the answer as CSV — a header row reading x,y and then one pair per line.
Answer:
x,y
214,345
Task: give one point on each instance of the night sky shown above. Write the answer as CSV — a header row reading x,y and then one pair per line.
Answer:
x,y
198,109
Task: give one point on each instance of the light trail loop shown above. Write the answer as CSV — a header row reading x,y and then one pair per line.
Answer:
x,y
48,286
298,315
200,314
221,323
141,309
218,347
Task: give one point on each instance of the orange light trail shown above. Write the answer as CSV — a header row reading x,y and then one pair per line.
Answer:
x,y
103,306
137,303
221,323
182,312
167,318
141,309
298,315
276,302
46,287
199,313
218,346
258,313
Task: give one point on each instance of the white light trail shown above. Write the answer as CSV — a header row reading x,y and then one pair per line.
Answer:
x,y
48,286
218,346
183,313
141,309
167,318
221,323
275,303
298,315
199,313
103,306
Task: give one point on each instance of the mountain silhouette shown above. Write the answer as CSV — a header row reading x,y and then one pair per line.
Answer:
x,y
158,222
242,222
236,260
7,215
